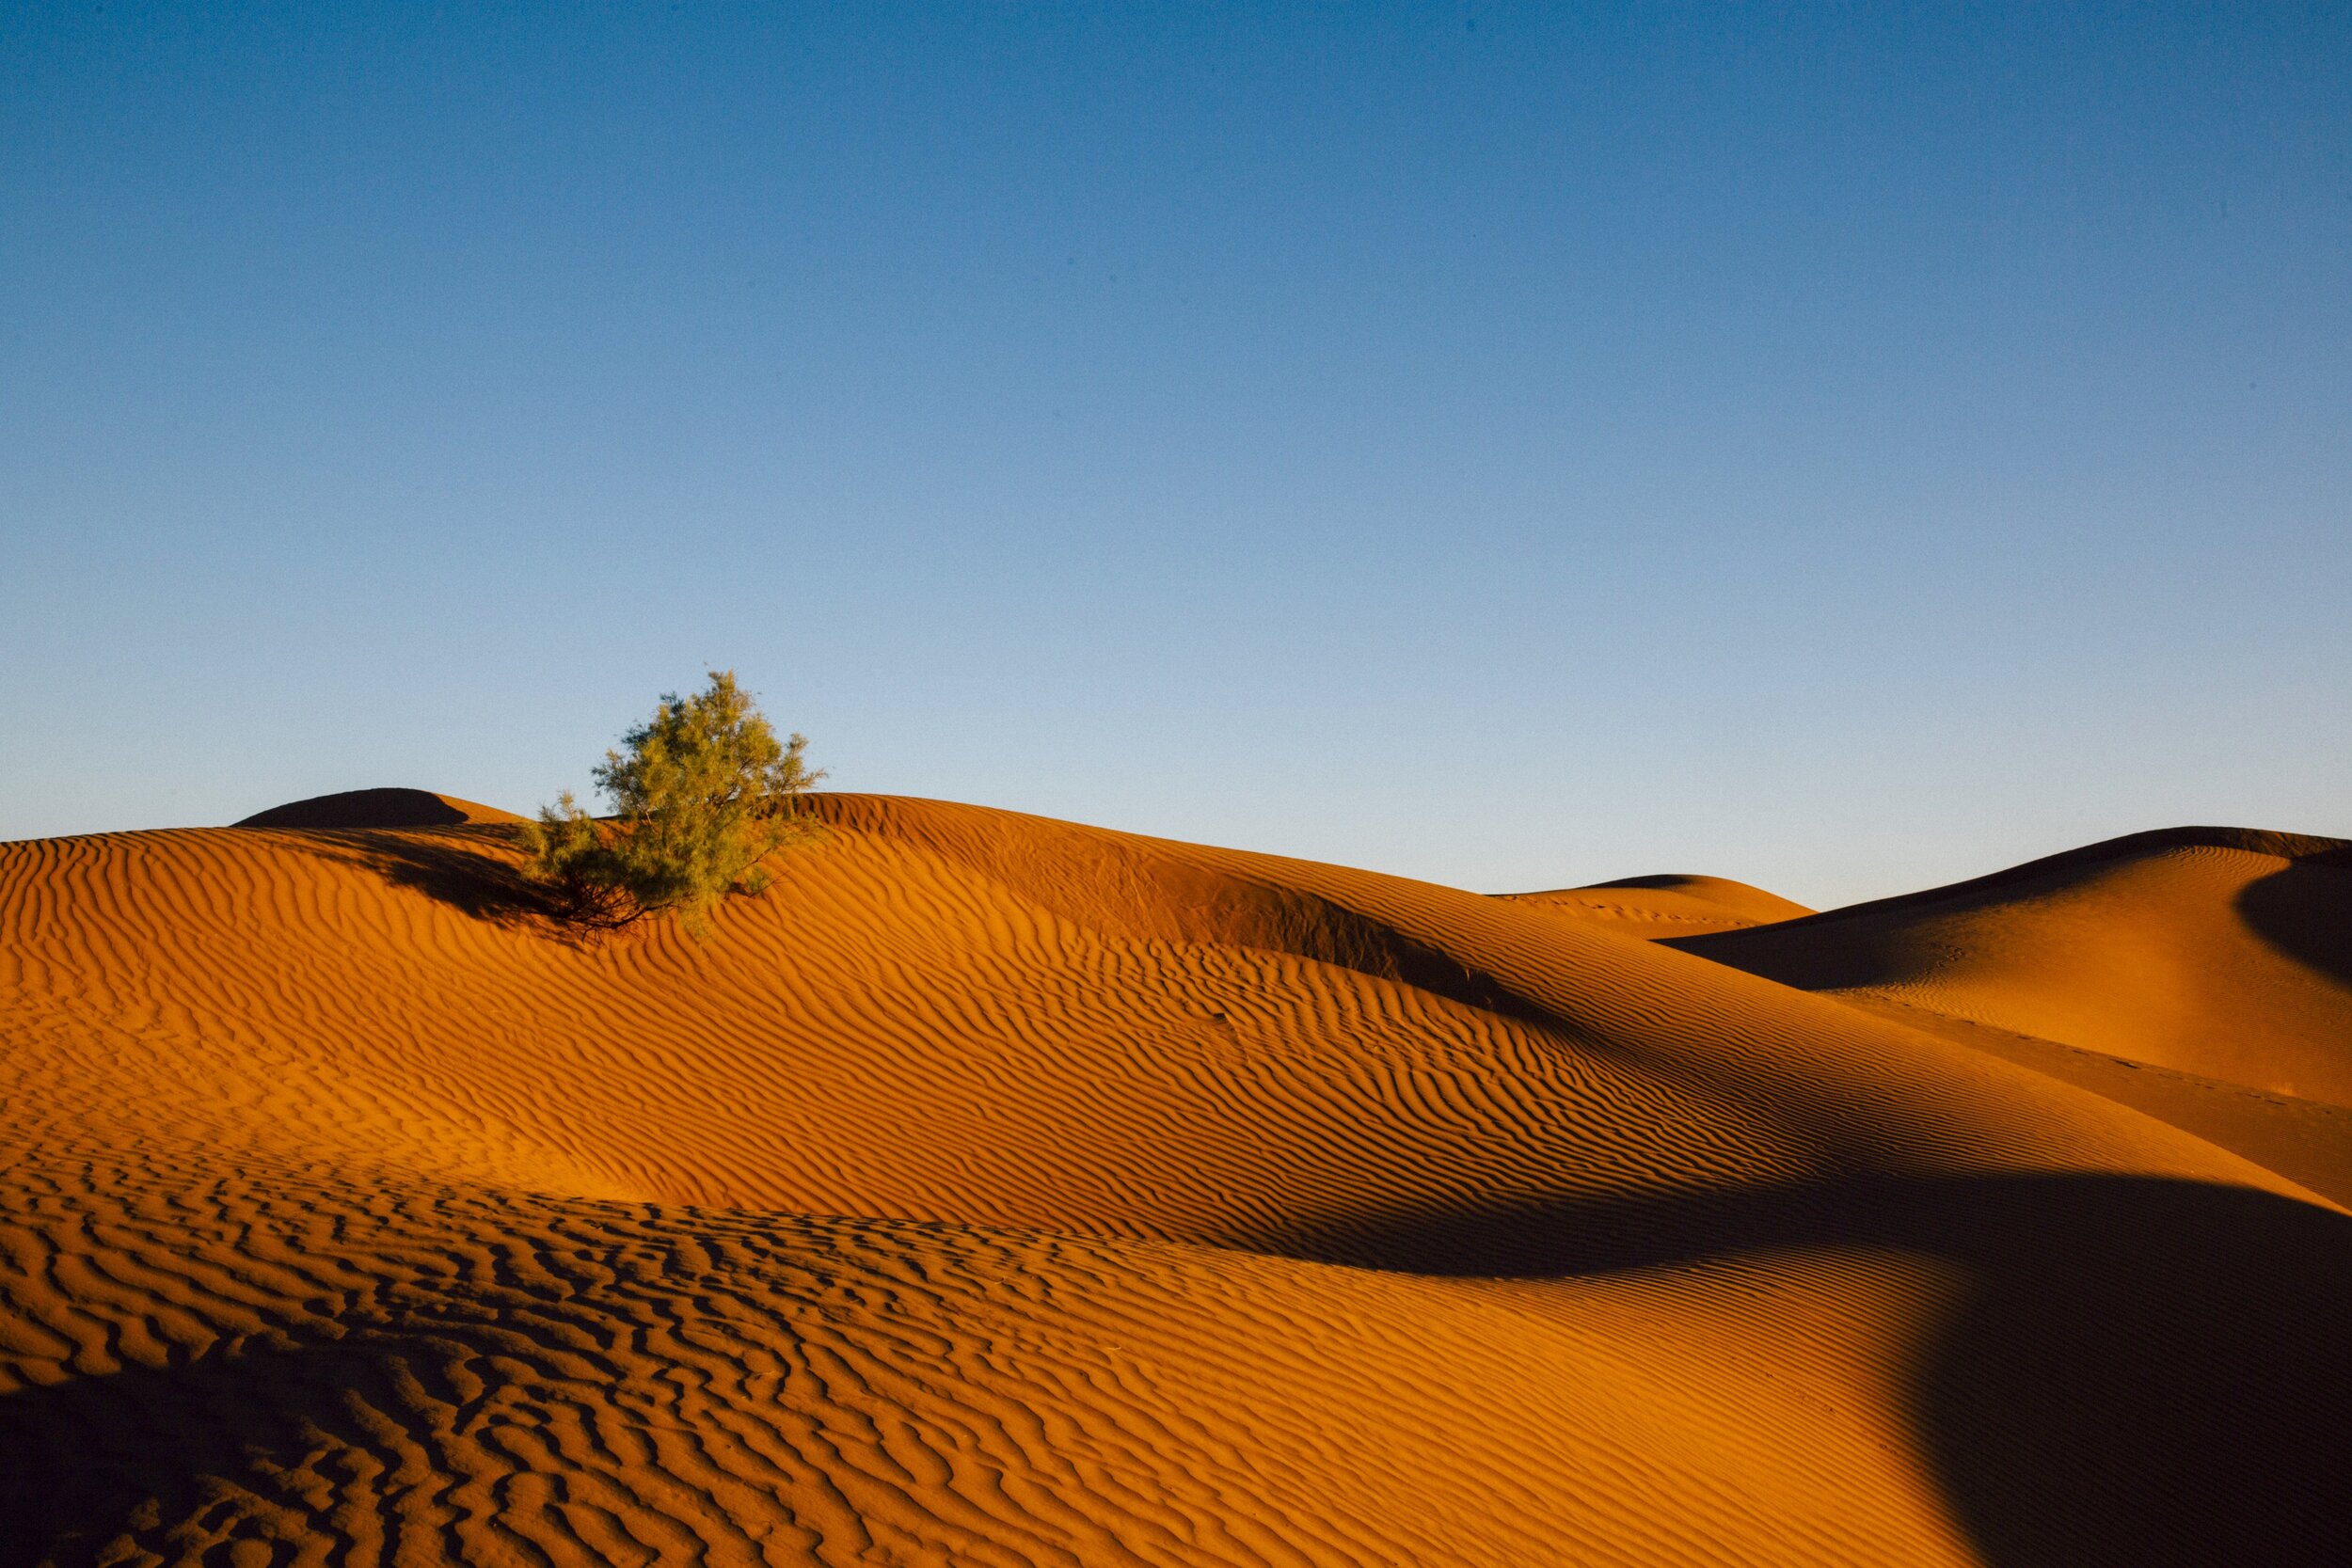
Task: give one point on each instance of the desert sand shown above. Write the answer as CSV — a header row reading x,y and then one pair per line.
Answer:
x,y
1666,905
2212,951
1000,1191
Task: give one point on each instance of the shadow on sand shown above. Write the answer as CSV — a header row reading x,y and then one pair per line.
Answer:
x,y
112,1468
2146,1371
2305,910
458,866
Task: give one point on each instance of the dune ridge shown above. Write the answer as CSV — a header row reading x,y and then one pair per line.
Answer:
x,y
2218,952
376,808
1670,904
998,1190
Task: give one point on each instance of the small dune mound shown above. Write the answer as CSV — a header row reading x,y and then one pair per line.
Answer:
x,y
1669,904
378,808
2220,952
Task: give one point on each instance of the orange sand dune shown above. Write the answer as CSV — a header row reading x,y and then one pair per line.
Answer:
x,y
2307,1141
1671,905
999,1191
2214,951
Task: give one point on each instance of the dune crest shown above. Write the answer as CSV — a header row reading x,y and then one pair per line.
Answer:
x,y
2220,952
1670,904
998,1190
378,808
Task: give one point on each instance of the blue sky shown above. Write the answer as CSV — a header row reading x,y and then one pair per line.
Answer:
x,y
1844,448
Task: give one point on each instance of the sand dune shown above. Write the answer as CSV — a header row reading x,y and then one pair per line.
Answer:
x,y
2212,951
378,808
1000,1191
1671,905
2308,1141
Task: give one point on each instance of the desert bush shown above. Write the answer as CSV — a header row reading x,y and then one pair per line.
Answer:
x,y
700,794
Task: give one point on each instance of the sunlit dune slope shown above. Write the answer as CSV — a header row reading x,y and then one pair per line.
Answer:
x,y
2215,951
2307,1141
997,1190
1669,904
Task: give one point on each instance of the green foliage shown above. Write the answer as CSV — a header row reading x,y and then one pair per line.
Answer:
x,y
702,794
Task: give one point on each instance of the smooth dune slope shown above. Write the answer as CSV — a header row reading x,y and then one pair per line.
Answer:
x,y
2307,1141
1667,905
2220,952
1002,1191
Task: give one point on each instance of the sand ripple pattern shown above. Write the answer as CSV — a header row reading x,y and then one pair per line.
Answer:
x,y
1000,1191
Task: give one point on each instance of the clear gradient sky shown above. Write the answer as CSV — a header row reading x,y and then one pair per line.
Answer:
x,y
1843,448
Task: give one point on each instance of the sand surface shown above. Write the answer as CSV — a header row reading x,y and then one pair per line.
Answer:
x,y
2211,951
1666,905
999,1191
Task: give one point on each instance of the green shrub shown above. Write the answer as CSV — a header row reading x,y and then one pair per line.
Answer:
x,y
700,794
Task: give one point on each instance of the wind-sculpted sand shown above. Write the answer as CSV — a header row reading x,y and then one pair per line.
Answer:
x,y
1666,905
2213,951
999,1191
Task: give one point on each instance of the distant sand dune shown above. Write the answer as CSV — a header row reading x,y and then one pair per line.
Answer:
x,y
1667,905
2212,951
378,808
1000,1191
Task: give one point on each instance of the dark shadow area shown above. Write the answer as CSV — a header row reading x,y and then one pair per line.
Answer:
x,y
140,1451
2305,912
2146,1371
364,808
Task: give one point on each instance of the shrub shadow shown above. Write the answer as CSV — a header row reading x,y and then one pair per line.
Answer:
x,y
456,866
